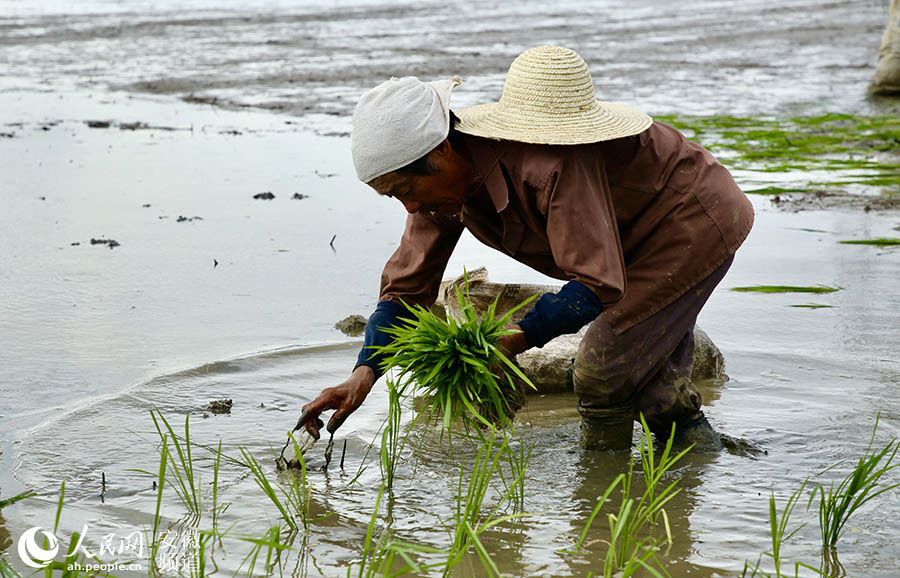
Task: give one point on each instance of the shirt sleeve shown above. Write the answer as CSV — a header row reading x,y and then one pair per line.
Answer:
x,y
413,273
387,314
581,226
556,314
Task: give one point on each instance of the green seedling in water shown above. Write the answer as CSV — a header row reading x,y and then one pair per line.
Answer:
x,y
380,555
882,242
16,498
469,520
74,563
813,306
517,460
454,361
271,541
785,289
778,531
633,544
778,191
187,480
390,436
861,485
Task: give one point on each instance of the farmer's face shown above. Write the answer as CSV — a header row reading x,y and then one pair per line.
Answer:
x,y
440,193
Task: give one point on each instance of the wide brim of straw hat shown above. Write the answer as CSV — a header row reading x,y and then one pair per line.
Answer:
x,y
548,98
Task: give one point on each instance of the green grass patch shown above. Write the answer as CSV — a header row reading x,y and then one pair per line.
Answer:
x,y
830,142
880,242
786,289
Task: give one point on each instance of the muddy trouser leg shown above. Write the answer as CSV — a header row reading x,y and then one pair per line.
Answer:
x,y
645,369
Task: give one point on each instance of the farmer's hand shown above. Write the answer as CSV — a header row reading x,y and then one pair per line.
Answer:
x,y
345,399
513,344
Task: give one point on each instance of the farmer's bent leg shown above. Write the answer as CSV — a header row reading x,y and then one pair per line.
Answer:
x,y
646,369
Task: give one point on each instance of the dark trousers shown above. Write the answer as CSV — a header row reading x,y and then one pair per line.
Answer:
x,y
646,368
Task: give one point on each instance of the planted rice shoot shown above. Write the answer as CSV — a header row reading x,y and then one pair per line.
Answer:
x,y
390,436
379,557
517,460
469,520
633,542
187,480
778,531
16,498
259,476
880,242
454,361
861,485
786,289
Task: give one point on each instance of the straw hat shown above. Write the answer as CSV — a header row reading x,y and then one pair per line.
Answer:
x,y
548,98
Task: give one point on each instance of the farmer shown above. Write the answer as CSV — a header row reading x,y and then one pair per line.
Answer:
x,y
641,223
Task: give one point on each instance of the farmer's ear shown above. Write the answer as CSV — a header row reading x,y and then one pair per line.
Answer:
x,y
443,148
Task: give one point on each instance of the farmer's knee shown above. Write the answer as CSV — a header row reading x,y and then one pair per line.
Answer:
x,y
600,384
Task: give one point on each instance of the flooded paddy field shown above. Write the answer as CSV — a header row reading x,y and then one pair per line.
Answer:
x,y
154,126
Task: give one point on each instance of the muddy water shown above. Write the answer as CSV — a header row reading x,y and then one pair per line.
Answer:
x,y
240,303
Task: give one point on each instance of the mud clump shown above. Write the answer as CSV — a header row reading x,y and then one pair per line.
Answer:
x,y
219,406
299,197
354,325
98,123
111,243
266,196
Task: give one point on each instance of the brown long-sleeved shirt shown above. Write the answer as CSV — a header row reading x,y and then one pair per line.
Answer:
x,y
638,220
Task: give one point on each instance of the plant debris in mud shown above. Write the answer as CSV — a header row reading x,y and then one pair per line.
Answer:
x,y
458,364
786,289
881,242
265,196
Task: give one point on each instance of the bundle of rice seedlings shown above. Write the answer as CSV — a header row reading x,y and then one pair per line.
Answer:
x,y
456,363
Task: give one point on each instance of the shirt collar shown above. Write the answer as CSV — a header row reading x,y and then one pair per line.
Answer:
x,y
486,156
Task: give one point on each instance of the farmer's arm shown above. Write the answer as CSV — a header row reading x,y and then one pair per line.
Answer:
x,y
584,240
413,274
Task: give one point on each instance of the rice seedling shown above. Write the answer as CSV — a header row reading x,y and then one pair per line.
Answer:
x,y
786,289
860,486
390,436
217,509
379,556
299,491
469,521
633,545
517,461
458,364
187,480
880,242
271,541
7,571
76,563
812,306
17,498
259,476
778,532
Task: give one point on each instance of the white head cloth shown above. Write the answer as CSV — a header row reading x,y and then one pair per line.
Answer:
x,y
398,122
